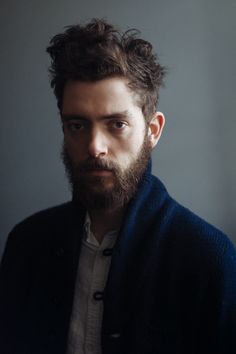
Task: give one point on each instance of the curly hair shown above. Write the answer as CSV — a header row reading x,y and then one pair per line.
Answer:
x,y
97,51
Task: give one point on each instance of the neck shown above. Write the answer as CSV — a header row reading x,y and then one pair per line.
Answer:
x,y
103,221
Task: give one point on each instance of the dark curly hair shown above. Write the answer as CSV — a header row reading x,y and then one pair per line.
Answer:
x,y
98,50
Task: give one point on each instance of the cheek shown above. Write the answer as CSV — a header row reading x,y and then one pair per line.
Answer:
x,y
129,149
135,141
74,149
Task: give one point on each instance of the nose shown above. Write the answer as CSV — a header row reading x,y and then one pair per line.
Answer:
x,y
97,144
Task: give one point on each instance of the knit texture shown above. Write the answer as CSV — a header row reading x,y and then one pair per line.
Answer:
x,y
171,288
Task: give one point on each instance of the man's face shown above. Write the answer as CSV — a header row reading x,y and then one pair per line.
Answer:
x,y
105,141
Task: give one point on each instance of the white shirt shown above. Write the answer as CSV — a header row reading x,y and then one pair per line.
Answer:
x,y
87,312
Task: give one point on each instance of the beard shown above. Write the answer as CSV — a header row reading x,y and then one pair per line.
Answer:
x,y
105,192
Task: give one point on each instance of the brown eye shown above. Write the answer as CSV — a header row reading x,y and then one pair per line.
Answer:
x,y
119,125
75,127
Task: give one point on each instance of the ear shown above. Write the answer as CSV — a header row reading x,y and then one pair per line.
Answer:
x,y
155,127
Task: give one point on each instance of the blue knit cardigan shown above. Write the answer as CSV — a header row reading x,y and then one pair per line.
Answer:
x,y
171,287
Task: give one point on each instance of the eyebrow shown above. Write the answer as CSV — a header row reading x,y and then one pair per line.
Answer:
x,y
115,115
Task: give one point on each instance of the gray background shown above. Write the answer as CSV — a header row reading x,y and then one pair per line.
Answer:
x,y
196,155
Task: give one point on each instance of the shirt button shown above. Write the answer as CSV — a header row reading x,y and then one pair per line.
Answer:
x,y
98,295
107,252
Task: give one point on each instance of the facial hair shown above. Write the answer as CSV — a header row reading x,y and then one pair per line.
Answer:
x,y
96,192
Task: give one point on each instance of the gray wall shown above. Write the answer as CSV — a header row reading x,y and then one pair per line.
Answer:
x,y
196,155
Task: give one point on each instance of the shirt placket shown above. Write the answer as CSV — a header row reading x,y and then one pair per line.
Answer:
x,y
95,299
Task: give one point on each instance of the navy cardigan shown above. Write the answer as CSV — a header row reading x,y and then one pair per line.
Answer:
x,y
171,287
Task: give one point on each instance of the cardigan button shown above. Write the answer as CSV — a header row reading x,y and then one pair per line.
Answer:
x,y
98,295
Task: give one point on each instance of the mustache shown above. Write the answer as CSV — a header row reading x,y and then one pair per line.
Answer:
x,y
96,164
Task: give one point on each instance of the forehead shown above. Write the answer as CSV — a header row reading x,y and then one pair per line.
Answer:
x,y
103,97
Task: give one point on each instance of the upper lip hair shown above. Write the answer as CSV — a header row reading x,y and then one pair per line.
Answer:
x,y
98,168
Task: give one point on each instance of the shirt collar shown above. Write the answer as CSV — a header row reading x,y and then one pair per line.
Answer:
x,y
89,236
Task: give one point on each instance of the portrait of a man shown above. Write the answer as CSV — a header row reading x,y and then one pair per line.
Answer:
x,y
122,267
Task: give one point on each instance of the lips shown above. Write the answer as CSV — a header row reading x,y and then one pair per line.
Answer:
x,y
99,172
96,167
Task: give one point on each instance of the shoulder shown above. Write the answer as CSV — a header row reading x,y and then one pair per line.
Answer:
x,y
192,228
48,218
187,234
43,228
48,214
179,218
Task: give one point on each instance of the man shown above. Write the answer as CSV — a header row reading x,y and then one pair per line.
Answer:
x,y
122,268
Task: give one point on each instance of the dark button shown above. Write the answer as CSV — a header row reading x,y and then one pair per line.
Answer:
x,y
60,252
98,295
107,252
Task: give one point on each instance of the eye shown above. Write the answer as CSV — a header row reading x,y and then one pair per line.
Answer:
x,y
74,126
118,124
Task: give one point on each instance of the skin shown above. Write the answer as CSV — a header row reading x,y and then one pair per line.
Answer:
x,y
102,119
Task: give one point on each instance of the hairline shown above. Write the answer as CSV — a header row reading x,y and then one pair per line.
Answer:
x,y
136,92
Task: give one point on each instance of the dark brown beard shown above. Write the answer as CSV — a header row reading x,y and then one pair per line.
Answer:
x,y
93,192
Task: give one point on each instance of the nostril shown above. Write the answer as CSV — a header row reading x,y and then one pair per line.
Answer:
x,y
96,149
